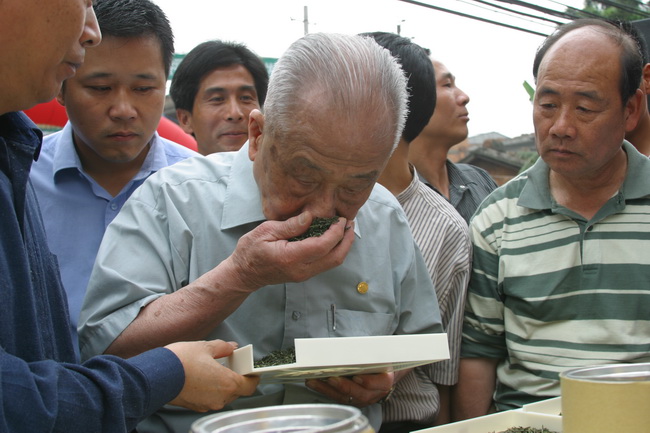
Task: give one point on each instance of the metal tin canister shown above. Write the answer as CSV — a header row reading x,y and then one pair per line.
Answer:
x,y
606,399
316,418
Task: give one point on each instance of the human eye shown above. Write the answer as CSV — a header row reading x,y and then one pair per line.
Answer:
x,y
588,106
144,89
99,88
546,103
353,196
358,187
305,181
248,95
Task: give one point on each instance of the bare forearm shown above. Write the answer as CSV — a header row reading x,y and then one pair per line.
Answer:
x,y
262,257
472,396
188,314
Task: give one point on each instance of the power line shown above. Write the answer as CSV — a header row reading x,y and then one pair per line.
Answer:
x,y
542,9
417,3
640,3
570,13
537,17
578,11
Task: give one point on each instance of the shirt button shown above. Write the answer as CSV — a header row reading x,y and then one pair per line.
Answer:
x,y
113,206
362,287
296,315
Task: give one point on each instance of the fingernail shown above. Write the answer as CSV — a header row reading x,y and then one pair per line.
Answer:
x,y
302,219
357,379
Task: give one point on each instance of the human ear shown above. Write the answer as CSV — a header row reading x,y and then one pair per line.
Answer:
x,y
645,80
633,110
255,132
185,120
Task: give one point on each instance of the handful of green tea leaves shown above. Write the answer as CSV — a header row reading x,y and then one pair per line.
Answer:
x,y
318,227
277,357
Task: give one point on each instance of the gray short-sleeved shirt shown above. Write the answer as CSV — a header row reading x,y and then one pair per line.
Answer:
x,y
187,218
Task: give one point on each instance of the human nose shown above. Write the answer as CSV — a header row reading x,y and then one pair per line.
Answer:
x,y
562,124
234,111
122,108
323,204
91,34
463,97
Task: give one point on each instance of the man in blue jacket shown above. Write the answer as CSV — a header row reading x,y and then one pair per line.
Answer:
x,y
42,389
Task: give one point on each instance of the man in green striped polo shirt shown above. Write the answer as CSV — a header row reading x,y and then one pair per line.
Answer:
x,y
561,271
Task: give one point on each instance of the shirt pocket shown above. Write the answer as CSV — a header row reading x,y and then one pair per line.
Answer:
x,y
352,323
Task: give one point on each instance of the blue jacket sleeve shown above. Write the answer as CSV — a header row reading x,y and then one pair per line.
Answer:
x,y
105,394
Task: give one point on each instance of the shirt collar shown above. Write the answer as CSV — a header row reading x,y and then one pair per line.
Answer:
x,y
410,190
19,128
536,193
637,180
243,203
66,157
456,175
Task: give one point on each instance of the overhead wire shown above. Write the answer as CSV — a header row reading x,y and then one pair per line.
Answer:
x,y
551,15
548,11
576,10
618,5
465,15
537,17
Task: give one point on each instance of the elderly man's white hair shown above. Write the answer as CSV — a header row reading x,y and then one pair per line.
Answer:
x,y
353,78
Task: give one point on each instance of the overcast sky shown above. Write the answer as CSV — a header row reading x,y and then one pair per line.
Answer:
x,y
490,62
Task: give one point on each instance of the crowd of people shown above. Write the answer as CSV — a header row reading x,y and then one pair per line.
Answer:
x,y
129,263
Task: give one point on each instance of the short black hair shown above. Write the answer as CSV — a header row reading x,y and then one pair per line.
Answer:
x,y
136,18
631,58
418,68
205,58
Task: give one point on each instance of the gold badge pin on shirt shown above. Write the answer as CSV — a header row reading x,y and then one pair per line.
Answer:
x,y
362,287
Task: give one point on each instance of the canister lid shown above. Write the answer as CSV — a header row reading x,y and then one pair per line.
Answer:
x,y
313,418
610,373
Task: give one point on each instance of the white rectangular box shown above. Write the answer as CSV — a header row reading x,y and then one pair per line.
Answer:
x,y
499,422
346,356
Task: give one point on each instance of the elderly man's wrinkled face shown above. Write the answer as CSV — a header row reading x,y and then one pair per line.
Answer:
x,y
326,166
580,119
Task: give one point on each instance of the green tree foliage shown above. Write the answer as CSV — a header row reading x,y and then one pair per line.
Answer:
x,y
627,10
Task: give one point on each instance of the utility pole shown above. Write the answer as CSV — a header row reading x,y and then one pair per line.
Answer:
x,y
306,21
